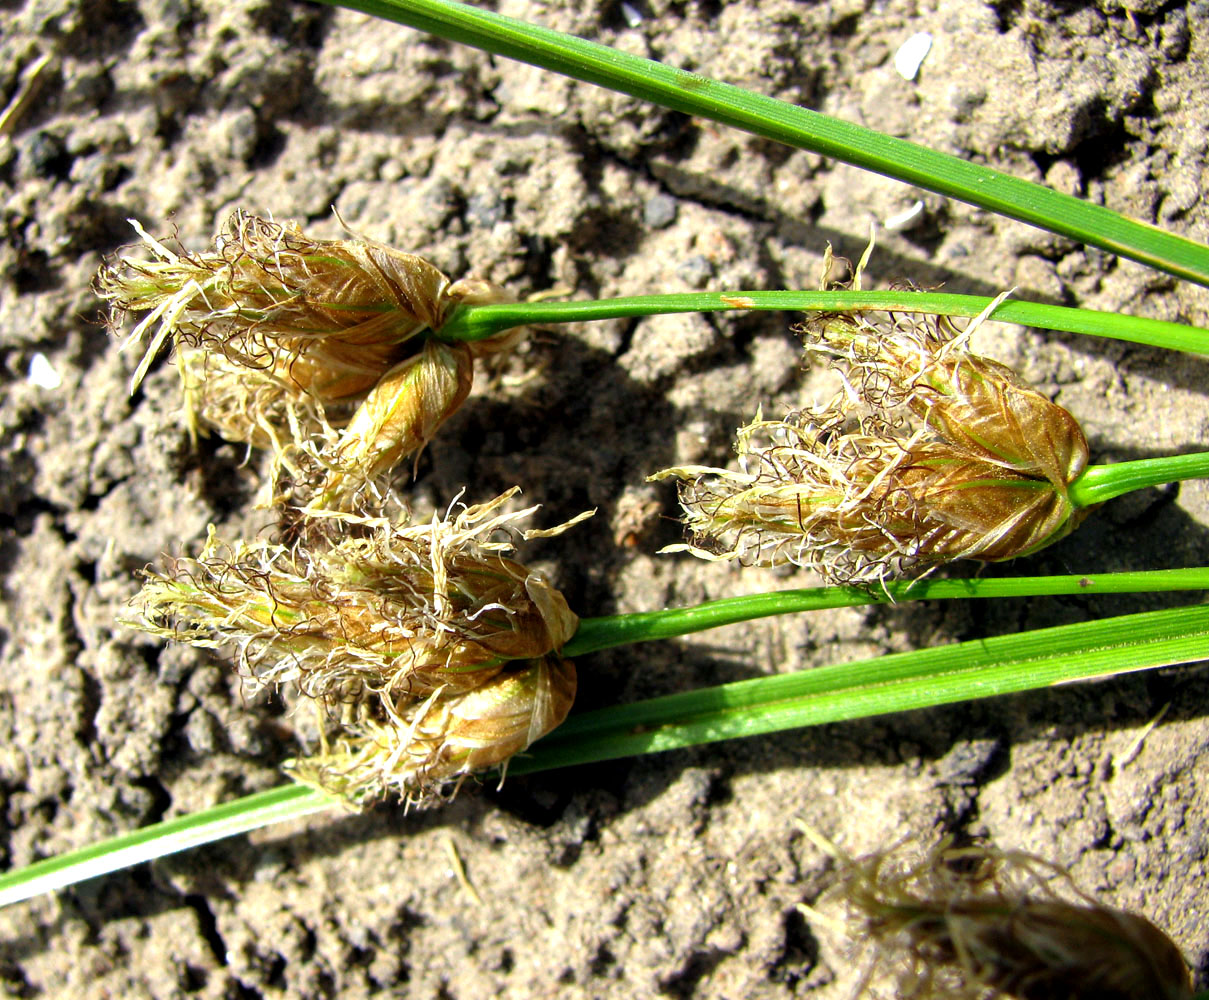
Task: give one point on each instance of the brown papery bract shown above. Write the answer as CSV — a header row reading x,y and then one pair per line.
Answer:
x,y
398,418
423,747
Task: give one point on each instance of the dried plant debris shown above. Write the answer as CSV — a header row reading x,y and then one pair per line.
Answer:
x,y
282,339
389,626
978,923
928,454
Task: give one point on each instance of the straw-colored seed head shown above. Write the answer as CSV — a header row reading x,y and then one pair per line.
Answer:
x,y
282,338
975,404
929,454
967,924
328,317
427,745
400,611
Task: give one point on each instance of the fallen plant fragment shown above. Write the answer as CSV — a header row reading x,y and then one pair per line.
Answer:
x,y
977,922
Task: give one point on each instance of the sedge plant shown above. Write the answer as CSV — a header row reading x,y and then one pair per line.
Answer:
x,y
335,418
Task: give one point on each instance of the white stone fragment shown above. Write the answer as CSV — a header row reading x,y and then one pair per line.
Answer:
x,y
42,373
911,54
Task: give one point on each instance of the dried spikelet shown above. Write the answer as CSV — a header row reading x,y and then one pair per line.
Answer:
x,y
256,408
859,503
930,454
975,404
372,608
424,746
328,317
304,331
976,923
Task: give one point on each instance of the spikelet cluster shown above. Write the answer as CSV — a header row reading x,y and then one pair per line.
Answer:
x,y
397,629
422,747
929,453
429,652
282,340
976,923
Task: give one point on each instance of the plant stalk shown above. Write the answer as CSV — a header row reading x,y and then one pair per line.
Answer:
x,y
606,632
1103,482
478,322
895,682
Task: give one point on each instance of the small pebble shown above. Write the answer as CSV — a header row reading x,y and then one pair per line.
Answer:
x,y
660,211
695,271
42,373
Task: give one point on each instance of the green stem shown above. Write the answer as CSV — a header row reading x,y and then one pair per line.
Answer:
x,y
252,812
606,632
781,122
479,322
827,694
1103,482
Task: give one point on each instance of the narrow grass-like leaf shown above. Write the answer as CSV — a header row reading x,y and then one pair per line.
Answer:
x,y
786,123
897,682
887,684
160,839
479,322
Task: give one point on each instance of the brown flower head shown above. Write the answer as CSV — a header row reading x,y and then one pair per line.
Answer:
x,y
979,406
425,745
966,924
327,317
373,608
305,330
930,454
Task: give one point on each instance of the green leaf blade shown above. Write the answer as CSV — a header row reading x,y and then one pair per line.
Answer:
x,y
161,839
799,127
897,682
